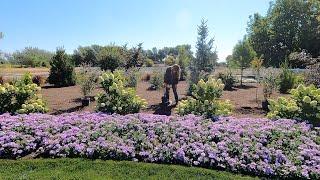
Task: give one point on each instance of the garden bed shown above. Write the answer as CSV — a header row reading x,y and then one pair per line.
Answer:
x,y
282,148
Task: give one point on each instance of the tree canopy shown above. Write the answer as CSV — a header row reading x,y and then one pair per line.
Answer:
x,y
289,26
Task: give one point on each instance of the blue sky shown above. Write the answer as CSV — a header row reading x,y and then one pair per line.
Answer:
x,y
48,24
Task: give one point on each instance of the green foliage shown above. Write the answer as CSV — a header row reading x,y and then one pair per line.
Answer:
x,y
170,60
156,80
73,168
27,78
304,104
205,56
87,79
132,77
149,62
312,76
242,55
22,97
62,70
184,58
287,79
289,26
117,98
86,55
205,100
112,57
269,83
32,57
227,79
135,57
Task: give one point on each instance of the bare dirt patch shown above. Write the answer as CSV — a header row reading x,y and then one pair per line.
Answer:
x,y
68,99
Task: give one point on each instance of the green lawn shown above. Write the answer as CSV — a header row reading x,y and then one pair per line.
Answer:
x,y
98,169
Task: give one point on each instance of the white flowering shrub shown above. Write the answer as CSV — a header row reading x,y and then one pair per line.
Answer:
x,y
22,97
304,104
205,100
117,98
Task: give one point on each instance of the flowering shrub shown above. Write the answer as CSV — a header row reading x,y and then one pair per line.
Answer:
x,y
21,98
118,99
304,104
205,100
283,148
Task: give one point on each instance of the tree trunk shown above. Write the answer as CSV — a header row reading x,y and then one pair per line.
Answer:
x,y
241,76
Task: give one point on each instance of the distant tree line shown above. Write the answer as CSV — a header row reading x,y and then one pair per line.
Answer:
x,y
290,26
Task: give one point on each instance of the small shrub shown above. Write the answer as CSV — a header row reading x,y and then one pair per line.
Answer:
x,y
170,60
286,79
21,98
117,98
132,77
303,104
269,83
111,58
156,80
312,76
27,78
39,80
227,79
149,62
87,79
62,70
204,100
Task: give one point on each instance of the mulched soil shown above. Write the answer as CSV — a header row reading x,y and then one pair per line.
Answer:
x,y
68,99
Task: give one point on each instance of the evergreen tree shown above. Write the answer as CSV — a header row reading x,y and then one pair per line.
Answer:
x,y
62,70
205,56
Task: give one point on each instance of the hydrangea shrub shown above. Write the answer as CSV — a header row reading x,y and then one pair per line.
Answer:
x,y
117,98
21,98
304,104
275,149
205,100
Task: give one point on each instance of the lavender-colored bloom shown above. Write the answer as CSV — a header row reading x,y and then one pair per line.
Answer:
x,y
283,148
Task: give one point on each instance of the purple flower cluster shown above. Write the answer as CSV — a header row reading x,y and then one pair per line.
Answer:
x,y
282,148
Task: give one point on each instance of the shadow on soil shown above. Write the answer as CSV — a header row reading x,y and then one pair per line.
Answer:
x,y
70,110
162,110
245,87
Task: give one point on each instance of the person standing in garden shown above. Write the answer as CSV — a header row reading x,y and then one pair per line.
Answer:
x,y
171,77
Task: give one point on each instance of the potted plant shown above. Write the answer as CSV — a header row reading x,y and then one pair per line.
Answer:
x,y
87,80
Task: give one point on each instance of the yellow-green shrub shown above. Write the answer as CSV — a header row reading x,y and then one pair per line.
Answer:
x,y
204,100
117,98
21,97
304,104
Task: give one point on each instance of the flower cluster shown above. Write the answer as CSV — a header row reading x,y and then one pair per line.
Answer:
x,y
205,100
282,148
21,98
118,99
304,104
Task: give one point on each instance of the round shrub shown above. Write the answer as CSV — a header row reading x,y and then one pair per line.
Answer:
x,y
21,98
204,100
117,98
111,58
170,60
227,79
149,62
156,80
304,104
62,70
287,79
